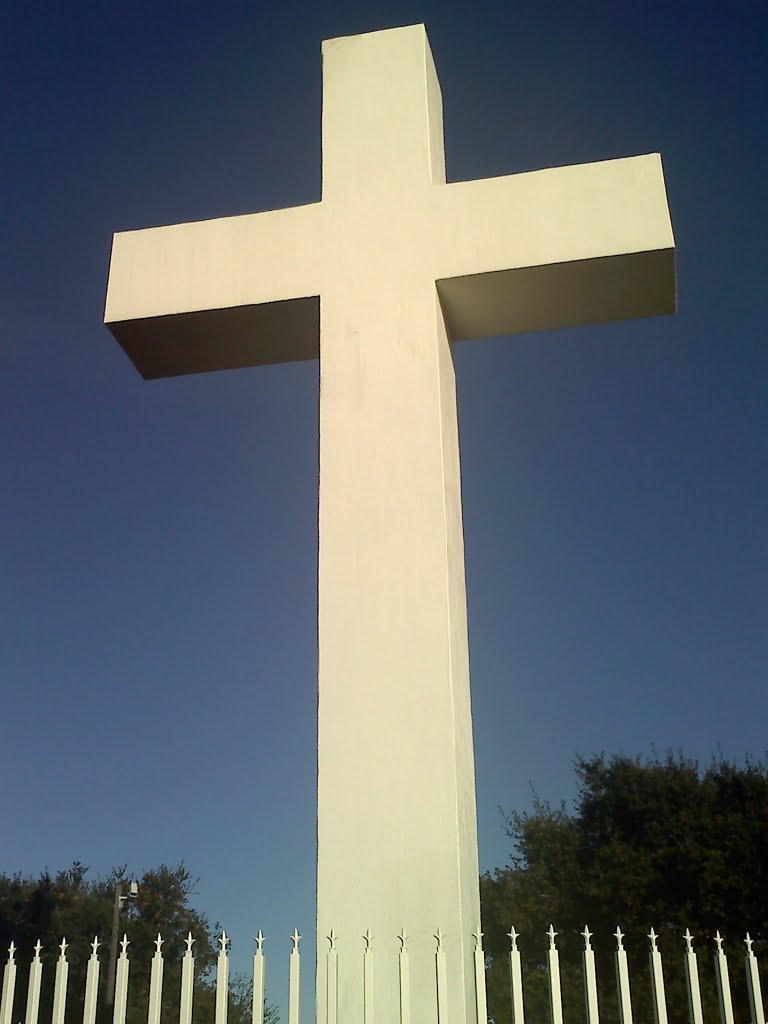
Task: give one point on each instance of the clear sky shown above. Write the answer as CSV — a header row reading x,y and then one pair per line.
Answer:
x,y
158,540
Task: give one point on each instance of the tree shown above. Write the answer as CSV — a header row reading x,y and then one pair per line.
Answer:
x,y
649,843
66,904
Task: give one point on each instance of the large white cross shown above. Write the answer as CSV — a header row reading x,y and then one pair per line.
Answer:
x,y
378,279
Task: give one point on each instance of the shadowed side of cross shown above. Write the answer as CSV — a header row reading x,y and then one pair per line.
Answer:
x,y
378,278
551,248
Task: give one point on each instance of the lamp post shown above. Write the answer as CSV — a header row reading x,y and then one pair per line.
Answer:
x,y
132,893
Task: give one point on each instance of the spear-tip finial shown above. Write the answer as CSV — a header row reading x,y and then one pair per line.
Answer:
x,y
587,934
513,936
332,936
224,942
439,937
295,938
94,945
748,943
619,936
38,947
478,937
158,943
719,941
259,941
551,934
653,936
63,948
189,942
367,938
124,944
688,941
11,951
403,936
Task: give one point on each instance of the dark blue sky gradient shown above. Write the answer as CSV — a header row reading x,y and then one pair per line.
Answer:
x,y
158,540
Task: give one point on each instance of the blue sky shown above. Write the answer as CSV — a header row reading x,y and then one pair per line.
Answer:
x,y
158,540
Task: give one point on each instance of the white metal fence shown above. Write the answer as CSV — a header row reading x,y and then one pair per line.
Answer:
x,y
366,955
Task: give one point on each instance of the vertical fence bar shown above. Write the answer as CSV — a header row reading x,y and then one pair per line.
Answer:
x,y
516,979
622,979
753,984
481,999
155,984
257,1012
33,988
553,976
723,983
121,983
657,981
332,980
294,975
695,1014
187,982
91,984
405,980
9,987
441,980
222,981
60,985
368,979
590,979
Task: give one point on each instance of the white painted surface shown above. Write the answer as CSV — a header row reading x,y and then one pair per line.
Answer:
x,y
155,984
397,843
723,980
33,987
622,979
9,987
60,986
90,1002
590,980
657,981
121,983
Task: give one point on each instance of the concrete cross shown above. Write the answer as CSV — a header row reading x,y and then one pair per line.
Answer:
x,y
378,279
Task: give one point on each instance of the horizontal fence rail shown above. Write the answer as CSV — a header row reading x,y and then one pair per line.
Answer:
x,y
364,956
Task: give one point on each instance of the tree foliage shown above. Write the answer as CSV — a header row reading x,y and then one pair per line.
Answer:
x,y
656,843
69,905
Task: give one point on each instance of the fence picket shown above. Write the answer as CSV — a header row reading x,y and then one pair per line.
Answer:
x,y
33,988
753,984
121,983
9,987
622,978
222,981
187,982
481,999
332,980
590,979
657,981
294,979
257,1013
368,1010
60,985
405,980
516,979
441,980
723,983
553,976
695,1014
155,984
91,984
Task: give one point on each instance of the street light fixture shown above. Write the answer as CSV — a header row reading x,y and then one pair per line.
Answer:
x,y
120,896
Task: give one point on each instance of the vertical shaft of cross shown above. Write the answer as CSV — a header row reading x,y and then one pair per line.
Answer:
x,y
396,809
397,842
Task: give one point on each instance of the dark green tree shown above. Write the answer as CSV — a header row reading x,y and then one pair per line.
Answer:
x,y
660,843
67,904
